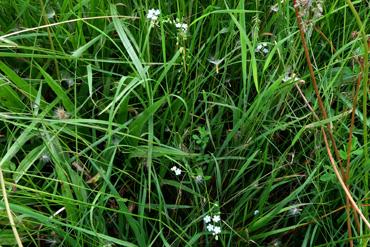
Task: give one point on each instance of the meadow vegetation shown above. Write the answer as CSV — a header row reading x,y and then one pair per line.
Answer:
x,y
184,123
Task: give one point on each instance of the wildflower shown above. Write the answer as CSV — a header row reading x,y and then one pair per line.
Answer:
x,y
292,76
61,114
262,47
182,26
256,212
216,218
286,77
216,230
50,14
207,219
67,78
198,179
176,170
295,211
275,8
153,14
210,227
70,82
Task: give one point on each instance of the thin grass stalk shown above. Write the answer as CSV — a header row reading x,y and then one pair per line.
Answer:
x,y
349,145
349,199
347,206
314,84
366,45
49,37
340,179
8,211
348,203
65,22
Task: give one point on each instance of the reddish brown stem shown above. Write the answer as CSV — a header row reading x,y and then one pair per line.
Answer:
x,y
349,147
342,176
314,84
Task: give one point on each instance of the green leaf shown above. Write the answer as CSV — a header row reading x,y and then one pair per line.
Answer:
x,y
126,43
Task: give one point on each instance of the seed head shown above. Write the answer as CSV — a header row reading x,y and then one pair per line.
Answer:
x,y
60,113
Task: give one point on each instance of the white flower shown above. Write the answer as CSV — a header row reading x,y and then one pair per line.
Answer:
x,y
153,14
182,26
216,218
50,14
287,78
256,212
67,78
199,179
262,47
216,230
295,211
275,8
176,170
292,76
207,219
210,227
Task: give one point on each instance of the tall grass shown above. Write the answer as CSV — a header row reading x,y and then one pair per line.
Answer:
x,y
116,130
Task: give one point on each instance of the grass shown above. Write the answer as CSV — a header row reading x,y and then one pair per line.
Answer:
x,y
98,103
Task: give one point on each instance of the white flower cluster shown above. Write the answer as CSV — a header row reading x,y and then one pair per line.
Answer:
x,y
262,47
275,8
292,76
212,227
153,14
176,170
182,26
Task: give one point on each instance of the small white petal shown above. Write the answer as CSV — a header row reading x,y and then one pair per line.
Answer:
x,y
50,14
217,230
198,179
265,51
210,227
178,172
174,168
216,218
207,219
